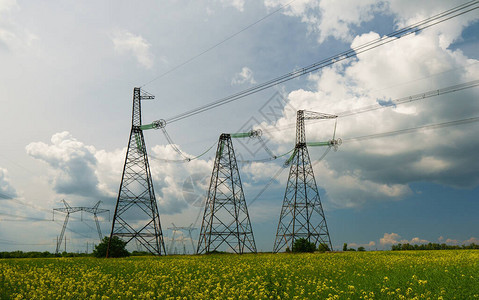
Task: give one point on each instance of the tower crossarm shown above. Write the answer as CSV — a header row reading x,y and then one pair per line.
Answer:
x,y
77,209
181,228
307,115
68,210
312,115
146,96
95,210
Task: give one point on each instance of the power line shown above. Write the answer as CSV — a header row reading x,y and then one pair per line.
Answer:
x,y
412,98
217,44
368,137
388,104
24,217
185,160
10,242
414,80
392,103
413,129
414,28
37,208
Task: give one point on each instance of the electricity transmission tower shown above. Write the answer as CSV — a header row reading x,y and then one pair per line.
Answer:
x,y
136,214
302,214
188,229
226,220
95,210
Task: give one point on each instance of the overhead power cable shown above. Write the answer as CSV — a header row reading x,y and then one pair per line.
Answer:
x,y
388,104
177,150
278,173
411,29
414,129
392,103
217,44
412,98
417,79
10,242
273,157
23,217
172,144
367,137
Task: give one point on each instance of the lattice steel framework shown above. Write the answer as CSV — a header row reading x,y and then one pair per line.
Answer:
x,y
95,210
302,214
136,213
226,220
174,239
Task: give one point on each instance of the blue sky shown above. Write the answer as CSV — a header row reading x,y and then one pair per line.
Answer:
x,y
69,68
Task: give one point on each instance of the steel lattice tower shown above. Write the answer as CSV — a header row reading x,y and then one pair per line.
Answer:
x,y
95,210
302,214
226,220
136,213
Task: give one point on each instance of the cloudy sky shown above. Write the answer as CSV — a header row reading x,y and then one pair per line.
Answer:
x,y
68,69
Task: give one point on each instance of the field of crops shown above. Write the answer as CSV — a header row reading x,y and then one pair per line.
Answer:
x,y
349,275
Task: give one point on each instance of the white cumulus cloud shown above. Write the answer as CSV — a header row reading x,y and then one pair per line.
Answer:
x,y
394,238
245,76
82,170
7,191
382,169
128,43
72,164
329,18
178,185
472,240
389,239
238,4
339,19
13,36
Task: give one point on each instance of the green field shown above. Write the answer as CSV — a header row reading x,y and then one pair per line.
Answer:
x,y
349,275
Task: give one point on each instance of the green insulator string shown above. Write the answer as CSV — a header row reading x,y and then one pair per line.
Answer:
x,y
318,144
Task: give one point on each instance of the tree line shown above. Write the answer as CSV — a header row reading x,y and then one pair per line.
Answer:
x,y
432,246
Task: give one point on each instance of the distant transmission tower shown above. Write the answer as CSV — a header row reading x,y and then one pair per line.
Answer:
x,y
226,220
69,210
136,213
188,229
302,214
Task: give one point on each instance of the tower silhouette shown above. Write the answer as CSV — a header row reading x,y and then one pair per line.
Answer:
x,y
136,214
302,214
95,210
226,220
183,239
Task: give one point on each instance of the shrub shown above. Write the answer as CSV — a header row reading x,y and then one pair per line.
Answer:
x,y
303,245
117,248
323,248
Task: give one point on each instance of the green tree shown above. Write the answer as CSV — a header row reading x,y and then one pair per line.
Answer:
x,y
345,247
323,248
117,248
361,248
302,245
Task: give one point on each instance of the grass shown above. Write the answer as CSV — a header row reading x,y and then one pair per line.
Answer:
x,y
351,275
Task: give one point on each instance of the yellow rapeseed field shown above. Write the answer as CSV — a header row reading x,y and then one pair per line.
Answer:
x,y
350,275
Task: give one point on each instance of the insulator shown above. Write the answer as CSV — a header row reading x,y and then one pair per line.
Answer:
x,y
159,124
256,133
